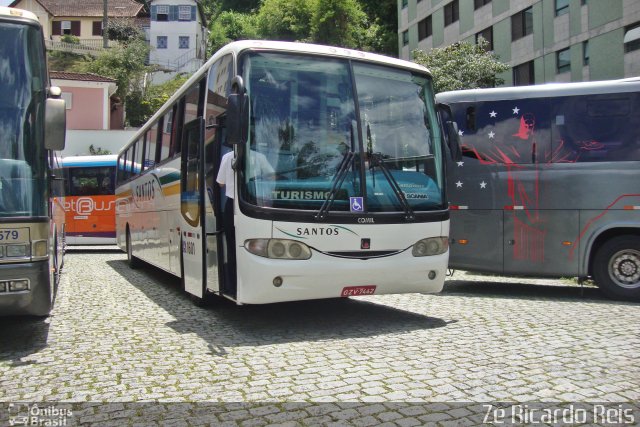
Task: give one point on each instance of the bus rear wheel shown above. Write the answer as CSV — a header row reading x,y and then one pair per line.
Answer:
x,y
132,260
616,268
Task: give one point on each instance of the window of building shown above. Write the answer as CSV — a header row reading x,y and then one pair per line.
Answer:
x,y
523,74
451,13
61,28
522,24
477,4
486,34
184,13
405,38
562,7
583,2
632,37
563,61
405,3
97,28
162,13
585,53
183,42
424,28
161,42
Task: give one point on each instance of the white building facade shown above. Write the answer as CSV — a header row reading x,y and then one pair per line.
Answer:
x,y
178,37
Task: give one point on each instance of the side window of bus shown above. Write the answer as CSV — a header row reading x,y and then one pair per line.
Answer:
x,y
151,155
597,128
504,132
176,130
218,89
121,174
138,156
166,126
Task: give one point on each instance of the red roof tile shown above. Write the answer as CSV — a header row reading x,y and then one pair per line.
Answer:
x,y
87,77
75,8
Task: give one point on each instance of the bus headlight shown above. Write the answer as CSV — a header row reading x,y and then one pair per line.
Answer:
x,y
17,251
278,248
430,246
40,248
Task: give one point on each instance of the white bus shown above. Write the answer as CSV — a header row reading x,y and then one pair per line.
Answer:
x,y
338,172
32,125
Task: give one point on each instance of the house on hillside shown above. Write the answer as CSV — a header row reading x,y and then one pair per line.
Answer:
x,y
176,30
90,100
95,116
178,36
82,19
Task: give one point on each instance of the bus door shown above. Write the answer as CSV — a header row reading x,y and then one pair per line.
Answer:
x,y
192,232
538,228
212,211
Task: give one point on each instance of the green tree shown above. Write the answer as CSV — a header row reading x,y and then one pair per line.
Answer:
x,y
231,26
98,151
339,23
123,31
125,64
141,104
462,66
287,20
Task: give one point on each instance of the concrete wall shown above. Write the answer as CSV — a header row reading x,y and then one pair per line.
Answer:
x,y
78,141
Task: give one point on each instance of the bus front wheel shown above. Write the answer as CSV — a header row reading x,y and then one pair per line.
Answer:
x,y
616,268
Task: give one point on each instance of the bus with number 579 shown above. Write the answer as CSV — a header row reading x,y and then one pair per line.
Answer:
x,y
32,128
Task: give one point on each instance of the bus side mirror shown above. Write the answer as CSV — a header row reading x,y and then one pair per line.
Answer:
x,y
454,141
55,124
452,135
237,113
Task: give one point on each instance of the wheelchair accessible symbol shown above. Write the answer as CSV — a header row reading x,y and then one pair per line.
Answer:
x,y
356,204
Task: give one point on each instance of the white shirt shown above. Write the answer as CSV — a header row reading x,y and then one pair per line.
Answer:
x,y
225,175
259,166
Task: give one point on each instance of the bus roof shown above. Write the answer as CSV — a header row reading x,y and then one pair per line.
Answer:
x,y
12,12
541,91
89,161
235,48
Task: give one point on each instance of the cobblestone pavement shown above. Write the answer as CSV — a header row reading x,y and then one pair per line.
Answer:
x,y
119,335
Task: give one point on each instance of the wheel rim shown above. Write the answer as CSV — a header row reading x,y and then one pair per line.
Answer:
x,y
624,268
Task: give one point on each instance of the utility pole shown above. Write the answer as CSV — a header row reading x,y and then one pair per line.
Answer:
x,y
105,22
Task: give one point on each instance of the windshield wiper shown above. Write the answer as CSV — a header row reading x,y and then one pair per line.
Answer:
x,y
376,159
338,179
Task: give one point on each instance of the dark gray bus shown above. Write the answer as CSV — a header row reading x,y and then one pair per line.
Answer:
x,y
549,182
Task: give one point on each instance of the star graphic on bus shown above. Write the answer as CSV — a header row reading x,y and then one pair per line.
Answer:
x,y
483,184
459,184
461,132
516,110
460,164
493,114
491,134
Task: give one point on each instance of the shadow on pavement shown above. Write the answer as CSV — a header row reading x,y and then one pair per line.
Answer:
x,y
224,324
493,288
21,336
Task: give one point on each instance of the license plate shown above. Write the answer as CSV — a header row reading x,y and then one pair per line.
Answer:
x,y
14,235
354,291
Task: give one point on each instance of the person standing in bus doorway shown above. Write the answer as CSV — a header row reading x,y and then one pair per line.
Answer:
x,y
226,180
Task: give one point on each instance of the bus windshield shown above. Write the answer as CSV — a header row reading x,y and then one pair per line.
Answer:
x,y
22,160
309,115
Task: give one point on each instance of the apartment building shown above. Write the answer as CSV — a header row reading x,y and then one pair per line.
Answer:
x,y
542,40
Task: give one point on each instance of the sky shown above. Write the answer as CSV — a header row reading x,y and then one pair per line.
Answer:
x,y
5,2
